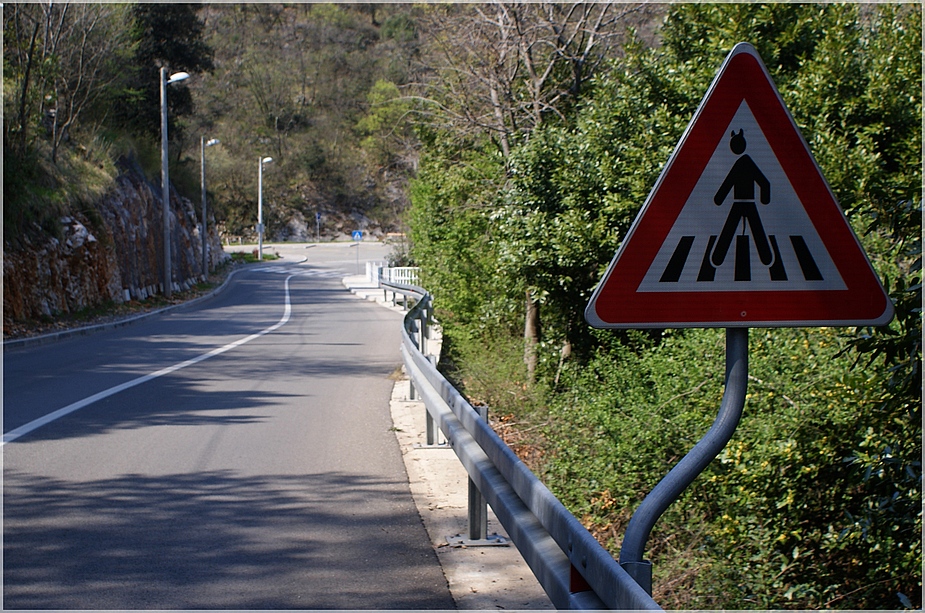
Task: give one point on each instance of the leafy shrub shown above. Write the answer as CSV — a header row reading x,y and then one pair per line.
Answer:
x,y
792,514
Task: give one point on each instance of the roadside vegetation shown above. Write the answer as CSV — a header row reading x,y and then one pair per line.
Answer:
x,y
313,86
515,143
251,257
816,501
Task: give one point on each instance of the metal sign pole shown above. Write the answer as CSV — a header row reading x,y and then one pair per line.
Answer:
x,y
358,237
684,473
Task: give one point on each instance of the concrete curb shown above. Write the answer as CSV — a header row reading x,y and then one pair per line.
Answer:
x,y
43,339
492,578
109,325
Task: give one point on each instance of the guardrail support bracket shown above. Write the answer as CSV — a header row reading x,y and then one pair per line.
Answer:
x,y
491,540
577,582
641,572
478,514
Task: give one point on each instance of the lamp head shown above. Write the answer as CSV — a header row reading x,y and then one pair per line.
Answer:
x,y
266,160
212,141
177,77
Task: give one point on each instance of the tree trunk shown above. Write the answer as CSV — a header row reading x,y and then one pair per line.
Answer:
x,y
564,354
531,335
23,120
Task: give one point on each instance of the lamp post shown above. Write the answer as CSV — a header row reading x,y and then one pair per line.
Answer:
x,y
263,161
203,143
165,185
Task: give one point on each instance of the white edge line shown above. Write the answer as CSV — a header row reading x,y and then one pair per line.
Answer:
x,y
14,434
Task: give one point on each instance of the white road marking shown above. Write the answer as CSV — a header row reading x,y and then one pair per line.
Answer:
x,y
295,271
12,435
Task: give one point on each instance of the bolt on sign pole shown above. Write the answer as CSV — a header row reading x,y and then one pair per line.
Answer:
x,y
740,230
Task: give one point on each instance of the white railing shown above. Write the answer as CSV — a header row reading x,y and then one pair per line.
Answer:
x,y
372,271
378,272
407,275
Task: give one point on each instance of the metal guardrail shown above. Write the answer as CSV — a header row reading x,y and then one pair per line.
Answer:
x,y
573,568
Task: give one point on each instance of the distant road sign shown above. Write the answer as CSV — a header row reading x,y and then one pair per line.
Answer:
x,y
741,228
357,235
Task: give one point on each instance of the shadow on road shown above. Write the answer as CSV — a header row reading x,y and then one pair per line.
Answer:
x,y
215,540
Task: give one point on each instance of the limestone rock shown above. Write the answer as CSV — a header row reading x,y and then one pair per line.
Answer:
x,y
94,265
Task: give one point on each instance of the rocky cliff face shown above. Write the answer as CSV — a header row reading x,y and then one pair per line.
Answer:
x,y
116,259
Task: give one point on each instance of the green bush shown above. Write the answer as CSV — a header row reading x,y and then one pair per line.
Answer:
x,y
782,518
816,502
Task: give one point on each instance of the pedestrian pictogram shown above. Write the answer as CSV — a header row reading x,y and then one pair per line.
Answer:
x,y
741,241
743,177
741,228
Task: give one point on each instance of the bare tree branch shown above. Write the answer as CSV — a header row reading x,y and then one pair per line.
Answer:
x,y
84,42
504,68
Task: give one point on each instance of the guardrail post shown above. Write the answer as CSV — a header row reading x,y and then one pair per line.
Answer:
x,y
478,508
478,513
433,432
431,428
423,343
385,292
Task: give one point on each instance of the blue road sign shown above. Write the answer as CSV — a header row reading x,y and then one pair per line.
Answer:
x,y
357,235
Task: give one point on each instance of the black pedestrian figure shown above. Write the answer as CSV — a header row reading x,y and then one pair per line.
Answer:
x,y
741,180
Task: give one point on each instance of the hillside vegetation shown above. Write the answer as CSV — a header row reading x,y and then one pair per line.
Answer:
x,y
516,143
311,86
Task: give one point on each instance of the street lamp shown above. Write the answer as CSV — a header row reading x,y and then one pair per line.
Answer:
x,y
165,185
203,143
263,161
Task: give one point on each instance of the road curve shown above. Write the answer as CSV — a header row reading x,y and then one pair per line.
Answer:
x,y
259,474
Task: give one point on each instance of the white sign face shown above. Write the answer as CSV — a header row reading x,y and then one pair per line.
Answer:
x,y
742,244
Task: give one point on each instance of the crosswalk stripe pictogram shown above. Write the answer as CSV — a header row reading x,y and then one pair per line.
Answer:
x,y
777,271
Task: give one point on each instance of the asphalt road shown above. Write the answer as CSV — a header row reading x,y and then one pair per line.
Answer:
x,y
235,454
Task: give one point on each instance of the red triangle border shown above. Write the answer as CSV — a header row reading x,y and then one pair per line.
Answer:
x,y
616,303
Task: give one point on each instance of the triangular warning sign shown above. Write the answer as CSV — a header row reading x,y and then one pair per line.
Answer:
x,y
741,229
